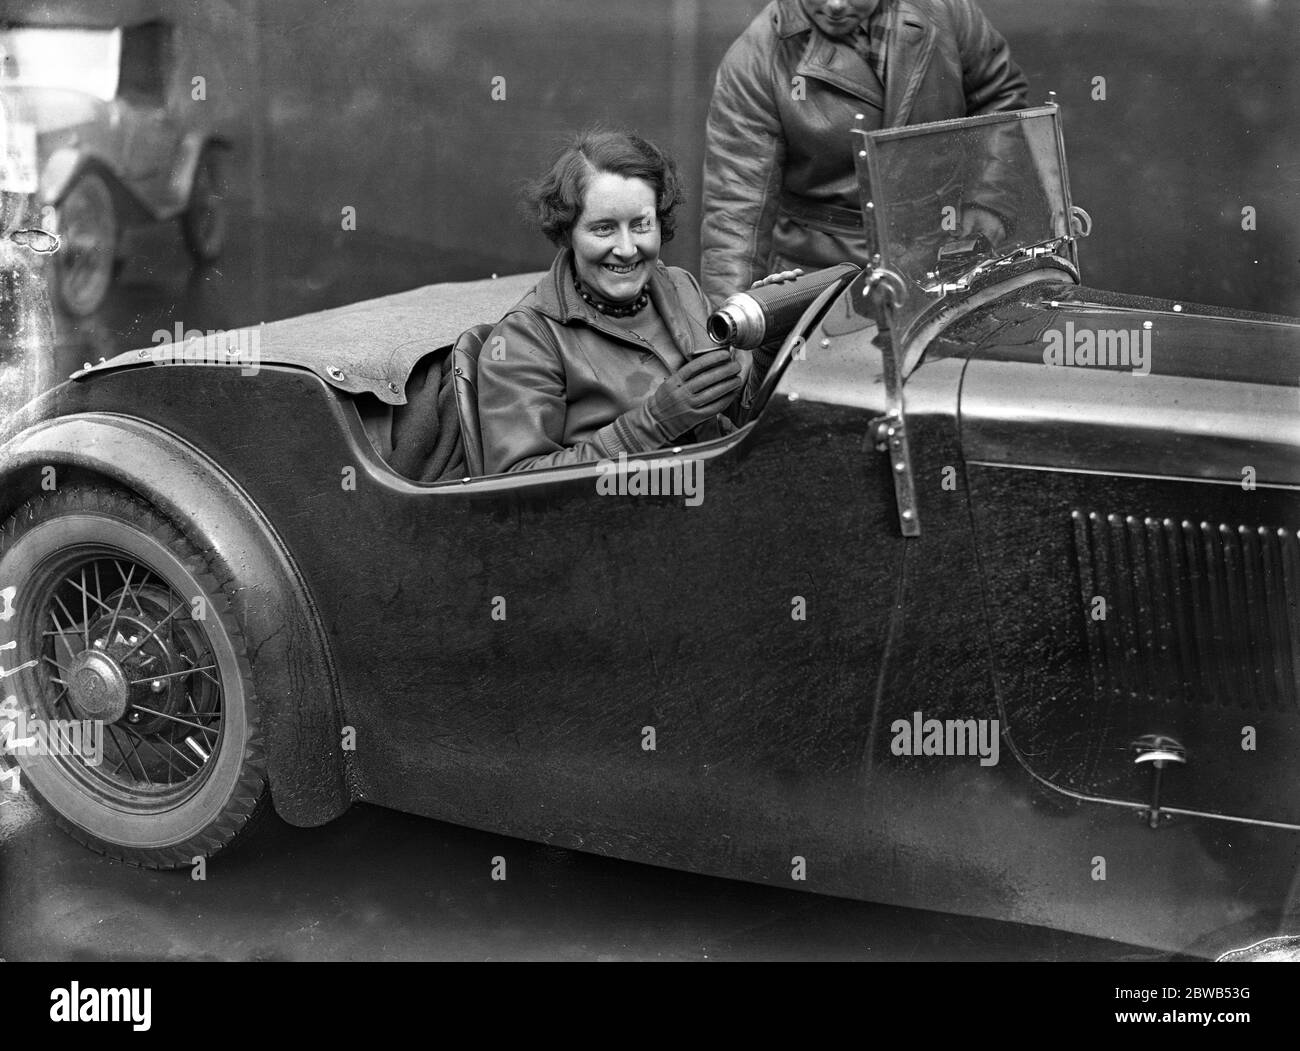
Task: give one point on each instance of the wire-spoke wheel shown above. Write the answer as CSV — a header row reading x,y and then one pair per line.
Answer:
x,y
140,728
88,227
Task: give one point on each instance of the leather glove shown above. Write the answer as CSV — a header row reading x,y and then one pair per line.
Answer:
x,y
696,392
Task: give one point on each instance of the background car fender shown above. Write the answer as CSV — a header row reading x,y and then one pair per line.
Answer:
x,y
58,173
292,668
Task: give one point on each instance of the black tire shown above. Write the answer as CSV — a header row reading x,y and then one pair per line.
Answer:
x,y
205,219
86,260
182,767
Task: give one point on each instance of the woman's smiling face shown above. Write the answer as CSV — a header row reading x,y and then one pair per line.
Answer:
x,y
616,236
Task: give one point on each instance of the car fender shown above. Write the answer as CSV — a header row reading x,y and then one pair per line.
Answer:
x,y
292,667
67,164
58,173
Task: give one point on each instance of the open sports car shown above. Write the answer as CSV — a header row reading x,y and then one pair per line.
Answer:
x,y
989,607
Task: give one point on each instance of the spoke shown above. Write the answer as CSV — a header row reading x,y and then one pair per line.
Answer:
x,y
71,618
72,632
54,678
85,594
55,617
85,610
126,589
153,634
169,675
183,722
215,682
162,755
121,757
183,755
143,580
99,588
134,751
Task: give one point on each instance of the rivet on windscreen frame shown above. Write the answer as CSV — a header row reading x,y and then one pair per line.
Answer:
x,y
871,204
1178,307
1146,324
826,343
862,153
793,396
335,373
676,449
142,353
392,386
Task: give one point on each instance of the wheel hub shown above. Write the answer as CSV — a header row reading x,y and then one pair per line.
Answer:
x,y
137,664
98,687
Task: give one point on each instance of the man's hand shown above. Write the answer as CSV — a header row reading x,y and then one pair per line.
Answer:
x,y
977,220
776,279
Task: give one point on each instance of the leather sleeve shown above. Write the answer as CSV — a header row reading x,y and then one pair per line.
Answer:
x,y
743,163
993,84
522,405
991,79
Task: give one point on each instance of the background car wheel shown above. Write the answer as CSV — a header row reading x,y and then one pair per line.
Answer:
x,y
126,631
204,222
83,266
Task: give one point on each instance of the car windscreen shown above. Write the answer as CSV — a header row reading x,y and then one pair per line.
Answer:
x,y
951,195
85,60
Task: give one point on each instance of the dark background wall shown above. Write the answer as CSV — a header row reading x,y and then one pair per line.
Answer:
x,y
386,106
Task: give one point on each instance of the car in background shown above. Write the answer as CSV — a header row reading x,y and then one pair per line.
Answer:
x,y
107,127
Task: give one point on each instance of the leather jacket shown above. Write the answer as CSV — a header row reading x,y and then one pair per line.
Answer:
x,y
780,187
560,384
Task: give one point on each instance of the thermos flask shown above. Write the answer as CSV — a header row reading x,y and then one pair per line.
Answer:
x,y
748,319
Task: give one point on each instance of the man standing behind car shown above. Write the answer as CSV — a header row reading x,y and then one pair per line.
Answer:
x,y
780,188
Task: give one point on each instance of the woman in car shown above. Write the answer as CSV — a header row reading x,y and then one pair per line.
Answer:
x,y
608,354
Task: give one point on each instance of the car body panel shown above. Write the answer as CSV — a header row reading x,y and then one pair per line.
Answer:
x,y
773,735
1173,497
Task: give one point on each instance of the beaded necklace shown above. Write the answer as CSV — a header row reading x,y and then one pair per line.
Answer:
x,y
613,309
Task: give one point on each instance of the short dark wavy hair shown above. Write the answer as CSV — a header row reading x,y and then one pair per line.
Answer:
x,y
555,200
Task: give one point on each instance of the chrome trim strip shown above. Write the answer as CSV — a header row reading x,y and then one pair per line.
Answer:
x,y
1079,418
1125,474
